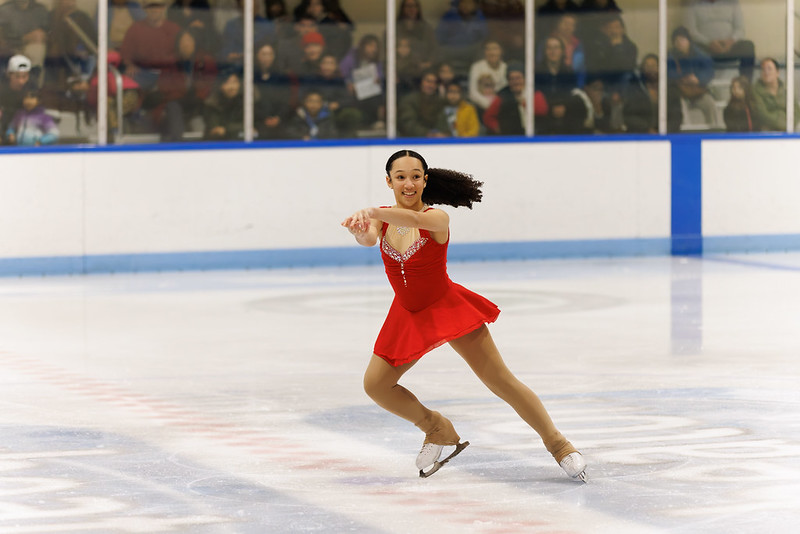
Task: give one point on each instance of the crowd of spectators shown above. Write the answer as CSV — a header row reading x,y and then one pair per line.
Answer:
x,y
181,66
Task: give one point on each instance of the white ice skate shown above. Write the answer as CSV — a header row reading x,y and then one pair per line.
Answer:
x,y
439,433
430,454
574,465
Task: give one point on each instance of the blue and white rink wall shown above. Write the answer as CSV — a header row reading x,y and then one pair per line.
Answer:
x,y
120,209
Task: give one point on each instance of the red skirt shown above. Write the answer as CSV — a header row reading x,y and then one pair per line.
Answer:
x,y
406,336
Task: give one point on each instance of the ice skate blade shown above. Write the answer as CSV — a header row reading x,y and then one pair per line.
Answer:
x,y
439,463
582,477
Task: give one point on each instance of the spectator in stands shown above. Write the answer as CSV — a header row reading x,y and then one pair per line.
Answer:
x,y
574,57
121,16
487,91
420,113
272,94
588,110
70,64
506,22
338,97
18,73
278,15
445,73
460,115
420,34
290,48
223,111
592,15
691,69
333,23
408,67
612,55
149,45
640,108
31,125
196,16
740,113
184,87
549,13
556,81
313,48
312,120
232,48
769,94
131,95
362,67
506,115
460,32
717,26
23,28
493,66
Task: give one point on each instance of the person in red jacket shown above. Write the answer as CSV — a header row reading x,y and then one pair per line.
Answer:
x,y
149,45
183,87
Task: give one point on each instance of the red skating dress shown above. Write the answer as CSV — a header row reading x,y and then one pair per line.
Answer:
x,y
428,309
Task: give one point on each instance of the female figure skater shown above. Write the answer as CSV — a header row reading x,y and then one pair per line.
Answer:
x,y
429,310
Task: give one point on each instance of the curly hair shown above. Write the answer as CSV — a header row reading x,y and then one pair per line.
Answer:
x,y
444,186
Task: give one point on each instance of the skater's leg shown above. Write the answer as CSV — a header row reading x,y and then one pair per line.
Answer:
x,y
479,351
380,383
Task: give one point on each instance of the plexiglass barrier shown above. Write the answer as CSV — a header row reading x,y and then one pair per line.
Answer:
x,y
228,70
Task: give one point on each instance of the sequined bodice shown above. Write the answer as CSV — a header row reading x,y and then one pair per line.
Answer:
x,y
418,275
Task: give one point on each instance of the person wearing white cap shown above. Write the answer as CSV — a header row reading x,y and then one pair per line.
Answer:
x,y
18,72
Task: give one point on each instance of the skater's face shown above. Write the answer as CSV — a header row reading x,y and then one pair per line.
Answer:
x,y
407,179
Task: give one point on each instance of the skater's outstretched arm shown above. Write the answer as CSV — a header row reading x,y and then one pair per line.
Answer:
x,y
364,228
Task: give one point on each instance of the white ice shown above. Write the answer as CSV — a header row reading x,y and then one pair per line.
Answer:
x,y
231,402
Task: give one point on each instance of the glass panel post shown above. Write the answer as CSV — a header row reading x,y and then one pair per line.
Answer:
x,y
790,71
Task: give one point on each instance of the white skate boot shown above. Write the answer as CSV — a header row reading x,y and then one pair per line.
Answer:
x,y
439,433
574,465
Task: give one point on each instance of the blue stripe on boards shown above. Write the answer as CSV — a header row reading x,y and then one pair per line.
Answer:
x,y
319,257
687,198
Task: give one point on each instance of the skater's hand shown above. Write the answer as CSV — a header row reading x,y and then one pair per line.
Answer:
x,y
363,227
359,222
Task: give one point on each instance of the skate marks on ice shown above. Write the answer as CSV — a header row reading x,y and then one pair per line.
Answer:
x,y
703,460
91,481
686,460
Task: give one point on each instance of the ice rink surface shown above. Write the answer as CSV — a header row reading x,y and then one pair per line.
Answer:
x,y
231,402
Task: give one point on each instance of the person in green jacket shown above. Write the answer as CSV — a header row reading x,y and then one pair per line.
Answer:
x,y
420,114
769,95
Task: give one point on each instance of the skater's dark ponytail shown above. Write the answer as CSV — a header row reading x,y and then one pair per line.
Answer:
x,y
444,186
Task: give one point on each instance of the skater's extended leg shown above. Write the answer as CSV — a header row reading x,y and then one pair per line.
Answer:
x,y
479,351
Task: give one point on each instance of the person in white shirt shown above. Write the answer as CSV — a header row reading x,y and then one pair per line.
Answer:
x,y
491,64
